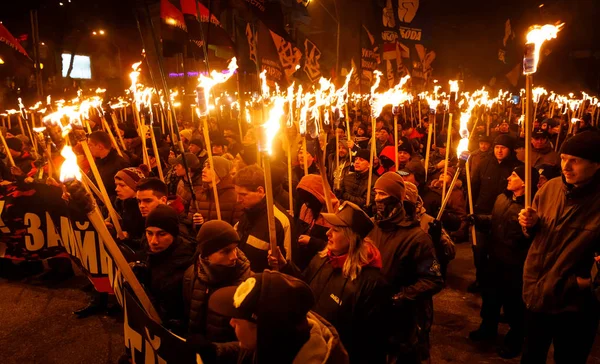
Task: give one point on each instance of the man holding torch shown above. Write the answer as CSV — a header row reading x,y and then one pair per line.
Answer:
x,y
563,222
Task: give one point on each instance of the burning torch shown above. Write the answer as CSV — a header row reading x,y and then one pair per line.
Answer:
x,y
535,38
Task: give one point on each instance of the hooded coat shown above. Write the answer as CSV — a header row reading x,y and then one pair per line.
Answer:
x,y
199,282
352,307
310,222
411,268
564,242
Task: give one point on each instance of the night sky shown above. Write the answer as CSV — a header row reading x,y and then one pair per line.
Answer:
x,y
464,33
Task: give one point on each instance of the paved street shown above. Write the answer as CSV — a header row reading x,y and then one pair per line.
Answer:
x,y
36,324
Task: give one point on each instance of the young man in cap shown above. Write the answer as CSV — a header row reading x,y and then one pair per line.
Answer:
x,y
298,170
503,274
542,151
253,226
354,187
414,172
169,256
271,315
563,222
108,161
219,146
410,266
336,173
487,182
437,159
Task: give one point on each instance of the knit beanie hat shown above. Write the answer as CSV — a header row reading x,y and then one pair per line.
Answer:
x,y
535,176
193,162
249,154
585,145
15,144
364,154
131,176
504,140
187,134
222,166
215,235
164,217
392,184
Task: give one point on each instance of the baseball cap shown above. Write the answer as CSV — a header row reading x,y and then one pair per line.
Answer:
x,y
364,154
352,216
414,167
539,133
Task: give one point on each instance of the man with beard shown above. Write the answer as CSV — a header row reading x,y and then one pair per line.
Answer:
x,y
253,227
563,222
336,173
410,266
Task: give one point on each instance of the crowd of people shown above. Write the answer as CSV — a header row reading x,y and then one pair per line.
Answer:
x,y
354,284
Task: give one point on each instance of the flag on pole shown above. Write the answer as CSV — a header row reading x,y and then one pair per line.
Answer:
x,y
7,39
199,27
173,27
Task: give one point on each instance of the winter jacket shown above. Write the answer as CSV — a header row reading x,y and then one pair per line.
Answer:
x,y
199,282
354,188
564,242
352,307
489,181
477,157
132,221
411,268
308,224
108,167
253,229
164,282
546,155
509,246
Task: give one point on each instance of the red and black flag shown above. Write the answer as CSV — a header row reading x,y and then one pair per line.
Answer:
x,y
173,27
200,28
10,48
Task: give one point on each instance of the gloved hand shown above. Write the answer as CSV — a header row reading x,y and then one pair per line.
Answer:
x,y
206,349
435,231
140,269
473,219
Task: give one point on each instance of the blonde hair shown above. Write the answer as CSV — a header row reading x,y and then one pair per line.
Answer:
x,y
358,253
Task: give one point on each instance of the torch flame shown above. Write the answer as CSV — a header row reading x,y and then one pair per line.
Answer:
x,y
69,169
538,35
273,124
208,82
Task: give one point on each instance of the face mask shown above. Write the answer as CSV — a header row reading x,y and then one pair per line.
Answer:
x,y
386,207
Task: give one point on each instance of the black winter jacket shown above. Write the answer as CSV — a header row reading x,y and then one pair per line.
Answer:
x,y
199,282
509,245
165,281
354,188
489,181
354,308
